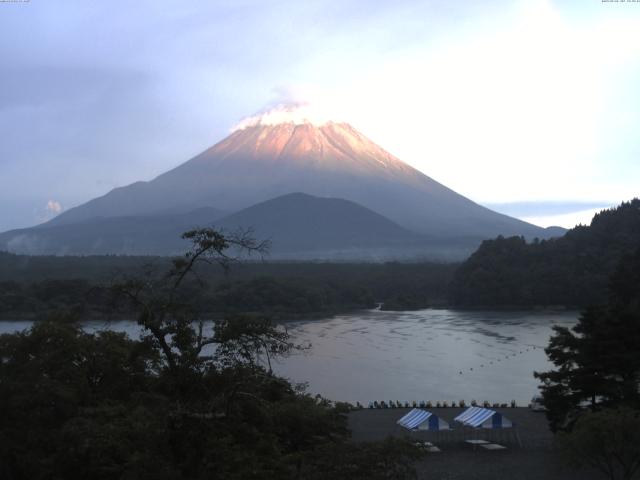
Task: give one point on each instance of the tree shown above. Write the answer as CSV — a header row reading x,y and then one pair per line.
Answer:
x,y
246,339
55,376
608,440
179,403
165,308
597,361
391,459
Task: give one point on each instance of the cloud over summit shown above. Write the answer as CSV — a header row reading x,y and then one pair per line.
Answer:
x,y
53,206
294,113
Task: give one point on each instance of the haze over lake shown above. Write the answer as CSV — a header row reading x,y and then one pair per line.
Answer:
x,y
418,355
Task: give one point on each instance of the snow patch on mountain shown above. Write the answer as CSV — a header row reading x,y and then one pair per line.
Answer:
x,y
294,114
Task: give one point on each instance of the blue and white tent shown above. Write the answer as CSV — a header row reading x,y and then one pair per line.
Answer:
x,y
479,417
418,419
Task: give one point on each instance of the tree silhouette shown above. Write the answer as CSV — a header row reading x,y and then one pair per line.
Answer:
x,y
597,361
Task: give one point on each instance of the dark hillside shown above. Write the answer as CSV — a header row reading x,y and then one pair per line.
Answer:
x,y
570,270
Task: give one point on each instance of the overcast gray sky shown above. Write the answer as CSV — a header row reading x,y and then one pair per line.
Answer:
x,y
503,101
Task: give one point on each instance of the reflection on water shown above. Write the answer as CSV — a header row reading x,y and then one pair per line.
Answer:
x,y
424,355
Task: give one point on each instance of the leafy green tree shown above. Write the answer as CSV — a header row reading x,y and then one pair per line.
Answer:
x,y
165,305
597,361
54,374
246,339
391,459
608,440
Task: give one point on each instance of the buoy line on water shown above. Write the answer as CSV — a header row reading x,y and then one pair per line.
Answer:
x,y
505,357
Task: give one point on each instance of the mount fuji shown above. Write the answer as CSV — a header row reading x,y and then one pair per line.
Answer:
x,y
270,156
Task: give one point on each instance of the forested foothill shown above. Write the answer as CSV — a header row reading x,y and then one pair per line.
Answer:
x,y
32,287
572,270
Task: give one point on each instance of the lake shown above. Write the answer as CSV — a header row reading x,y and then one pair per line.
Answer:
x,y
425,355
429,354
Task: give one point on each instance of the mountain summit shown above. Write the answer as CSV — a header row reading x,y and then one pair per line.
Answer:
x,y
262,161
259,162
283,152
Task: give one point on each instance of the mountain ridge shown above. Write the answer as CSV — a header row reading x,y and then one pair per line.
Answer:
x,y
260,162
126,235
306,227
300,226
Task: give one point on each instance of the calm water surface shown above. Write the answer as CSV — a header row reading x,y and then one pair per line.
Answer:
x,y
425,355
421,355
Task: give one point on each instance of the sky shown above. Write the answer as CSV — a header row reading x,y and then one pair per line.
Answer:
x,y
530,107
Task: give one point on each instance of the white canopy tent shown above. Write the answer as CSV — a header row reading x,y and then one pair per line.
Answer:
x,y
418,419
478,417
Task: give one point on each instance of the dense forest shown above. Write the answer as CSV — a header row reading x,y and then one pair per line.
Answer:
x,y
572,270
33,287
